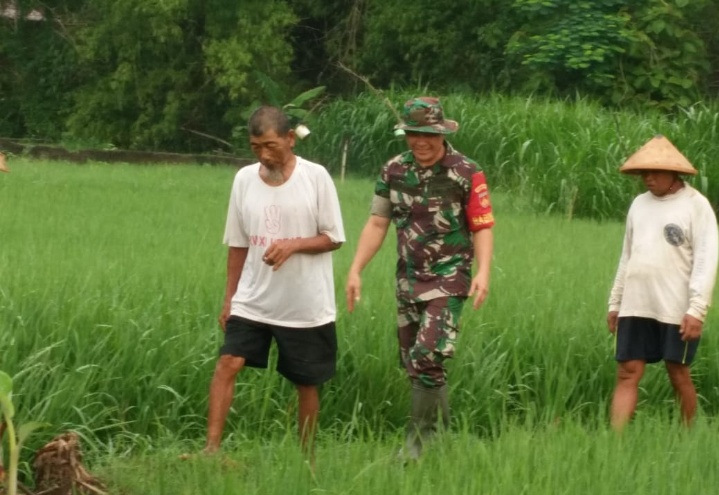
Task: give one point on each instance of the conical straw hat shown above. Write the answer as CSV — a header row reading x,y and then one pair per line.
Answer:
x,y
3,167
658,154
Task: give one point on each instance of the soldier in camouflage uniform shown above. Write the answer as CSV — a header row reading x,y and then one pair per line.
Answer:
x,y
439,202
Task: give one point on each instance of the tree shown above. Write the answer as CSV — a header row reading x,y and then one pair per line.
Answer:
x,y
666,63
622,52
569,45
159,75
446,45
38,71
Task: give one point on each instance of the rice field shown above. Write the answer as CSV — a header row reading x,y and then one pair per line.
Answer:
x,y
111,278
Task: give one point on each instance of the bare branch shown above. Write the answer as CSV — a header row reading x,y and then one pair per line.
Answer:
x,y
25,489
209,136
376,91
91,488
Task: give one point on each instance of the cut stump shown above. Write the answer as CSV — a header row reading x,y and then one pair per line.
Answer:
x,y
59,470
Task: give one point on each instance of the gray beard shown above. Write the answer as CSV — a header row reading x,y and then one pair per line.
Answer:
x,y
274,176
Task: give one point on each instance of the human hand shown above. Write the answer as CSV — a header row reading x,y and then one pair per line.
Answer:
x,y
224,315
612,319
279,252
480,290
690,328
353,290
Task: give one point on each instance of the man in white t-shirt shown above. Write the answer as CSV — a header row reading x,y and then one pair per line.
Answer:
x,y
665,279
283,223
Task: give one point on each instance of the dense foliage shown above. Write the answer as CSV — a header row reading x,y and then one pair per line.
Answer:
x,y
180,74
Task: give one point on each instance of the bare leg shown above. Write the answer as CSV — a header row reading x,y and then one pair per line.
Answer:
x,y
624,402
681,379
307,415
222,390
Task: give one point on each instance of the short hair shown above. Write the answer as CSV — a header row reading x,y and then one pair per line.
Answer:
x,y
268,118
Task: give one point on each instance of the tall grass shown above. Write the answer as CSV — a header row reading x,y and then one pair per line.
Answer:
x,y
111,278
559,156
653,458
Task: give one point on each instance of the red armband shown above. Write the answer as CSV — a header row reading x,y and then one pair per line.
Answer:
x,y
479,208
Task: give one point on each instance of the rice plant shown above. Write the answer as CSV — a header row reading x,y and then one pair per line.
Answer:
x,y
111,277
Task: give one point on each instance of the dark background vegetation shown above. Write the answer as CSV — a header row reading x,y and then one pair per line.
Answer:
x,y
165,75
552,95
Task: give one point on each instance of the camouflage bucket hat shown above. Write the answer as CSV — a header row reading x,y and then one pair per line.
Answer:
x,y
425,114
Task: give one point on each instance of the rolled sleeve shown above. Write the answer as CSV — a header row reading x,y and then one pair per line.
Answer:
x,y
382,207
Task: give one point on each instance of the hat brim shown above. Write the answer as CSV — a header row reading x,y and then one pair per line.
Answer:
x,y
446,127
662,167
658,154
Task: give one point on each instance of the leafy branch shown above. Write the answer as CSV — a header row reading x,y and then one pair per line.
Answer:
x,y
15,439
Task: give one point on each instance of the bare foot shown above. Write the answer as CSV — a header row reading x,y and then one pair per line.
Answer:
x,y
206,452
210,450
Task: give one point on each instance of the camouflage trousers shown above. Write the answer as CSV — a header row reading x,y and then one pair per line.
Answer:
x,y
427,333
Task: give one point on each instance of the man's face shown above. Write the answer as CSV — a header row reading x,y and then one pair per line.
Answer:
x,y
658,182
427,148
271,150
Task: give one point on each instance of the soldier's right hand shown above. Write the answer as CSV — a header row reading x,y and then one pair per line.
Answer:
x,y
353,289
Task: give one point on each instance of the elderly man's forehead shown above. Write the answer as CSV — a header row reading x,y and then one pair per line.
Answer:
x,y
270,136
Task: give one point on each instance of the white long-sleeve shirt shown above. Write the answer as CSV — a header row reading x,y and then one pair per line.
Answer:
x,y
669,259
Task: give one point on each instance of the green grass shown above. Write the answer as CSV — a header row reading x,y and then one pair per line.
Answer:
x,y
555,459
111,278
559,156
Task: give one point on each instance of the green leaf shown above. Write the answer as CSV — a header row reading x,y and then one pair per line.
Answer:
x,y
308,95
25,430
5,384
658,26
298,113
690,47
6,407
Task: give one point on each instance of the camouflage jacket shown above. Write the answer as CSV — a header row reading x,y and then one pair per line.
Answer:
x,y
435,209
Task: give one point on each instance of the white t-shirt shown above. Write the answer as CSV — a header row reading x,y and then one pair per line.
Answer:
x,y
669,259
300,293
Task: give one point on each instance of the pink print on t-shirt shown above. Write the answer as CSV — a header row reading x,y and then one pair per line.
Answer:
x,y
273,219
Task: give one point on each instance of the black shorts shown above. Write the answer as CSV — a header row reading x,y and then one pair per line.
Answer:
x,y
307,356
650,340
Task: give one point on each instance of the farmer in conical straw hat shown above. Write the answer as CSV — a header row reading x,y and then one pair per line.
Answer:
x,y
665,279
3,165
439,202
